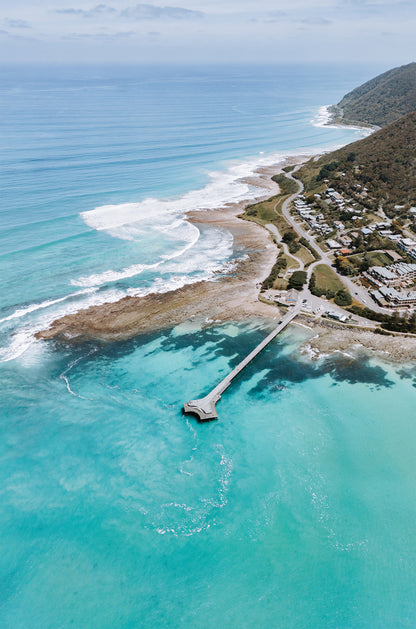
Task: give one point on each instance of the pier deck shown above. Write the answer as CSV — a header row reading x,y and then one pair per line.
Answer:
x,y
204,408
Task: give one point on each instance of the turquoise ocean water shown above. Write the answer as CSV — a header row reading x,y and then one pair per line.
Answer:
x,y
297,508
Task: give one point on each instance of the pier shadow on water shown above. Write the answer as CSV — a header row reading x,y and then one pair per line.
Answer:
x,y
280,363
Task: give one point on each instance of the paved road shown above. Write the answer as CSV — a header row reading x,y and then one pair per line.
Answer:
x,y
273,229
358,292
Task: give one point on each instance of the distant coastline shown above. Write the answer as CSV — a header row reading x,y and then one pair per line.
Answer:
x,y
229,296
329,116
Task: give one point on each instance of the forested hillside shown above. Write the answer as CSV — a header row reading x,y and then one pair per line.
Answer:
x,y
381,100
384,163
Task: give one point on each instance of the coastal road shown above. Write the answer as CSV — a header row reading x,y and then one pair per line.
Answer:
x,y
358,293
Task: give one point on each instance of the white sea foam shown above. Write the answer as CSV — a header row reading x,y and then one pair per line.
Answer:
x,y
23,338
99,279
324,119
185,263
161,285
22,312
142,220
130,221
215,248
20,342
197,265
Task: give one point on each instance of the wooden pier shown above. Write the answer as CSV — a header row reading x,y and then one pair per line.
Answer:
x,y
204,408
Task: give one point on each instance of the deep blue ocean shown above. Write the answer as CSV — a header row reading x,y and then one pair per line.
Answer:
x,y
297,508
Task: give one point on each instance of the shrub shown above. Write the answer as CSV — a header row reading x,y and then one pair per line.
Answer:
x,y
343,298
293,246
297,280
326,170
277,267
289,236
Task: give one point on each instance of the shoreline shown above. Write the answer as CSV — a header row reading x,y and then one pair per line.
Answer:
x,y
227,297
327,118
231,297
330,338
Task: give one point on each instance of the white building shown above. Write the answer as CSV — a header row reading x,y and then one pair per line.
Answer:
x,y
332,244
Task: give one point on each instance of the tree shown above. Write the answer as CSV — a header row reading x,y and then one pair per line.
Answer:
x,y
365,264
343,298
297,280
344,266
289,236
412,322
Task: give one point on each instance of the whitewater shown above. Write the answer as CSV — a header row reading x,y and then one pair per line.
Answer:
x,y
180,254
296,508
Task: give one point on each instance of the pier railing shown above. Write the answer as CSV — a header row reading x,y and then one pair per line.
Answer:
x,y
205,408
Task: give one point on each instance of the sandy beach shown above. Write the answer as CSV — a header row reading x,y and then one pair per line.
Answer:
x,y
232,296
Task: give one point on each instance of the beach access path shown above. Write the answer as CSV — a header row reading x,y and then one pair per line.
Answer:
x,y
273,229
358,293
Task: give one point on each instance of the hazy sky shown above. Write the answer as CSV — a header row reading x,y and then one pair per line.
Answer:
x,y
371,31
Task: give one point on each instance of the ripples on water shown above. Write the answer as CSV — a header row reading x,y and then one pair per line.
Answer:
x,y
296,508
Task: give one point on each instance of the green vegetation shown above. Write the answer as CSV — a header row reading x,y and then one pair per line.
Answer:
x,y
301,247
381,100
262,212
343,298
376,258
356,264
308,246
362,261
277,268
378,170
305,256
290,238
292,263
325,281
287,186
326,170
401,324
367,313
269,211
297,280
347,266
392,323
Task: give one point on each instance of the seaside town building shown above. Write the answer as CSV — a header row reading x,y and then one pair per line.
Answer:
x,y
408,245
335,197
393,255
394,275
345,240
332,244
386,296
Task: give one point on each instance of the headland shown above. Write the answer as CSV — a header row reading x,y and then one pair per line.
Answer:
x,y
349,218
